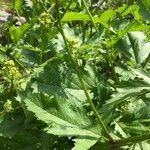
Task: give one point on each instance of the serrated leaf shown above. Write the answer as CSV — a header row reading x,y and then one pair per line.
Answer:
x,y
131,89
59,104
83,143
58,126
141,74
140,48
120,130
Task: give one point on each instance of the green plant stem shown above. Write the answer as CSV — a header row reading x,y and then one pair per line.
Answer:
x,y
42,5
45,9
90,16
83,31
112,66
75,65
123,142
68,6
91,26
17,62
12,58
121,12
133,140
13,9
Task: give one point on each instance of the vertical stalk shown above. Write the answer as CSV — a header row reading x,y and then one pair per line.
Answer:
x,y
13,9
112,66
83,26
75,65
91,25
90,16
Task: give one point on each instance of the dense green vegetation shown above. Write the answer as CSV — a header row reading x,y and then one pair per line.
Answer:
x,y
75,75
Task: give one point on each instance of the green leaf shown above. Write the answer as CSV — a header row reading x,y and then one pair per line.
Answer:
x,y
142,74
17,33
83,143
140,48
59,103
107,15
21,140
18,4
75,16
57,125
144,6
137,128
103,19
126,10
9,127
120,130
127,90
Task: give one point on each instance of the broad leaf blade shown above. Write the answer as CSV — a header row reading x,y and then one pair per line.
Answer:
x,y
140,48
57,125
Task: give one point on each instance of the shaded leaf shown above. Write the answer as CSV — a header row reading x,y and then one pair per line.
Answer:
x,y
140,48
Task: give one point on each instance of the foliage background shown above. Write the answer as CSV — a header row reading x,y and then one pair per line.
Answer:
x,y
75,75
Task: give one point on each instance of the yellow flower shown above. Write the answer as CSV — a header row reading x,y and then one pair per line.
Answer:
x,y
7,106
73,42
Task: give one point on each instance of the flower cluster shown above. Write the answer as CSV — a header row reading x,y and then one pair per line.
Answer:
x,y
45,19
73,42
7,107
10,70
